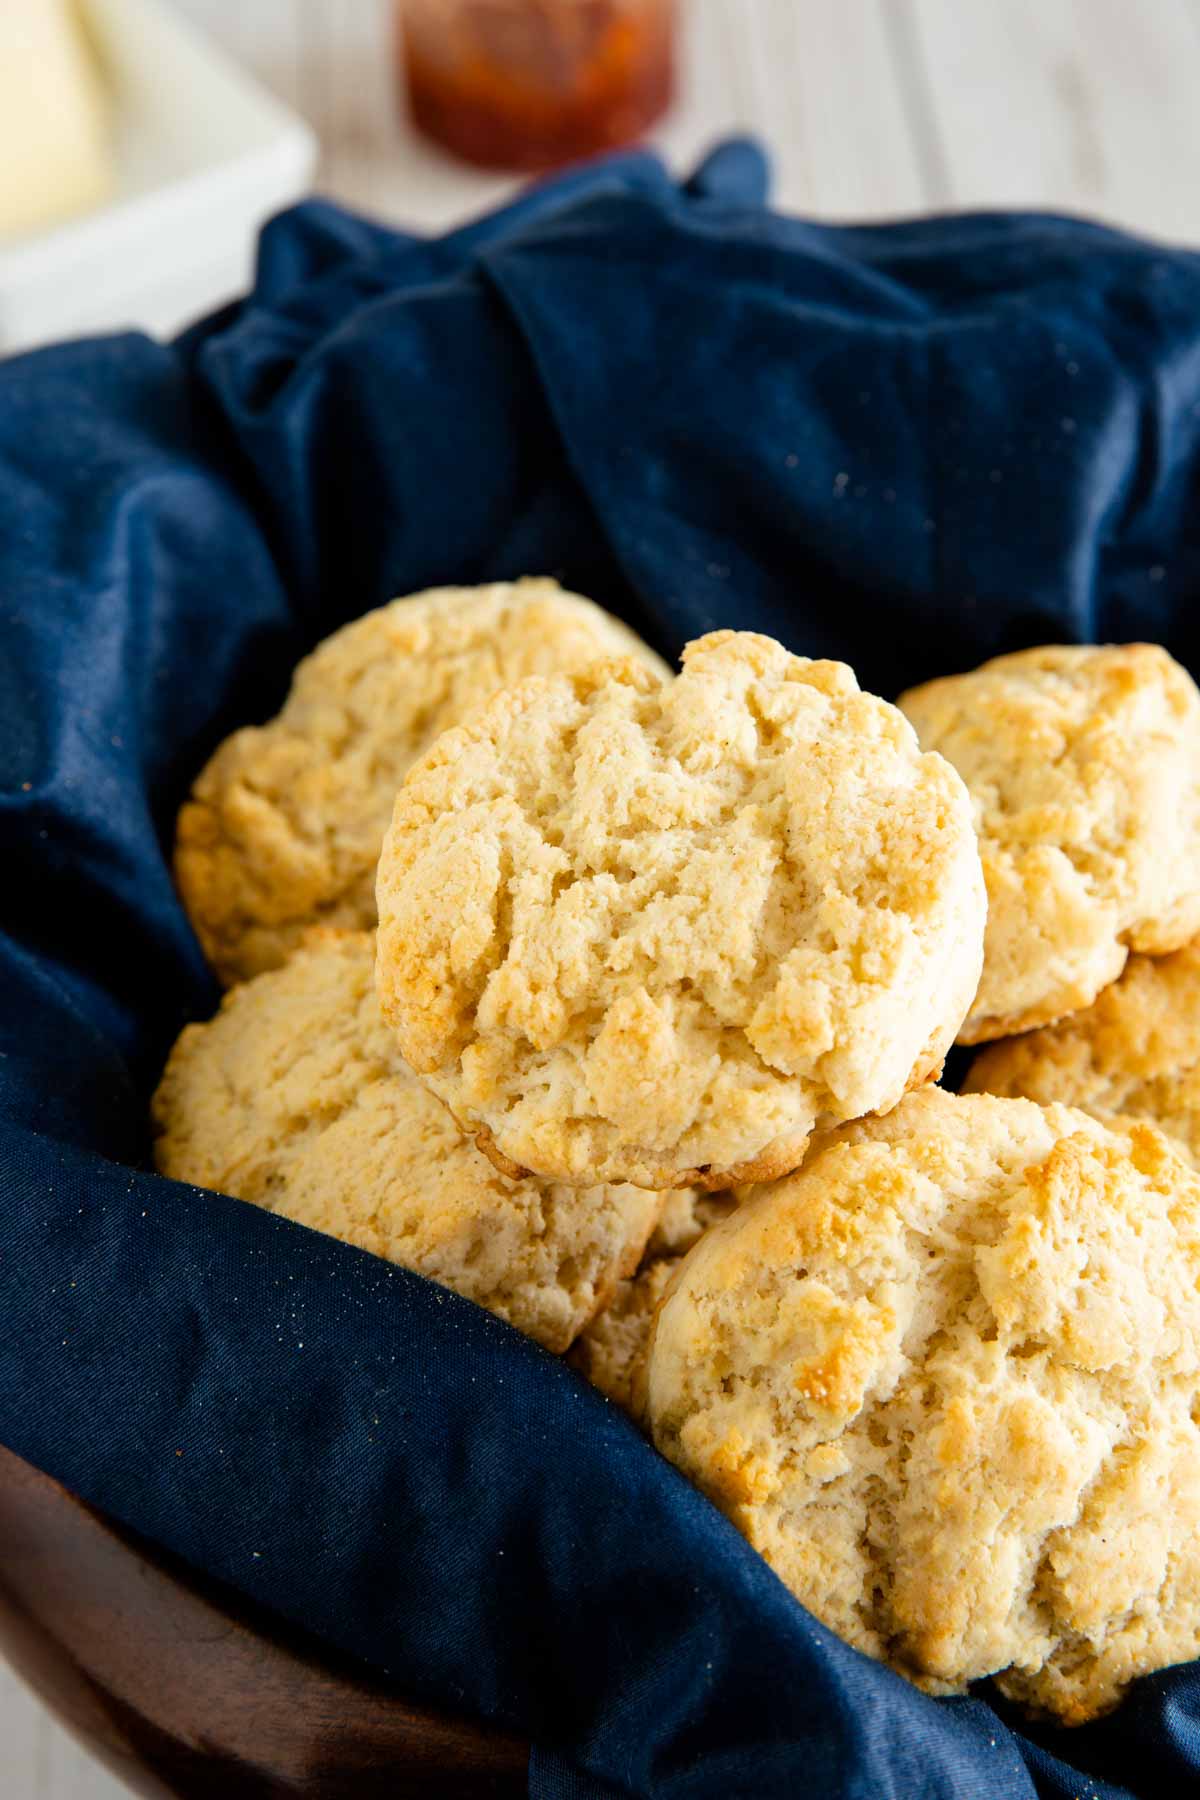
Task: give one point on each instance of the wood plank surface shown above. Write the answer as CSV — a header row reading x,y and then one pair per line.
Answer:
x,y
1072,105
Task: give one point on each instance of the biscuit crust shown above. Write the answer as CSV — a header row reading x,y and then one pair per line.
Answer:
x,y
610,1352
1135,1051
283,827
1083,763
944,1379
657,932
295,1098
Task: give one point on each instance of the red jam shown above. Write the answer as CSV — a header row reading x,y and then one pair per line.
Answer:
x,y
531,84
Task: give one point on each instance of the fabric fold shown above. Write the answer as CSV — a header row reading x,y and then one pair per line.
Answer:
x,y
906,446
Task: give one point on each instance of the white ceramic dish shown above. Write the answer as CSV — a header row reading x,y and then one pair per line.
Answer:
x,y
204,156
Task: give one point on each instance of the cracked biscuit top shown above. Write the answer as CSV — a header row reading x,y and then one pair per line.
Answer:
x,y
636,931
295,1097
944,1378
1083,763
283,827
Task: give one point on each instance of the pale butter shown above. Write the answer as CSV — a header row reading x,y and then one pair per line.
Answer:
x,y
56,152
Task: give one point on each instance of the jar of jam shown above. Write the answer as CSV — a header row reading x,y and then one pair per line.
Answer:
x,y
531,84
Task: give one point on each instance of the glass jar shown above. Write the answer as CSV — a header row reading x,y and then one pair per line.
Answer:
x,y
531,84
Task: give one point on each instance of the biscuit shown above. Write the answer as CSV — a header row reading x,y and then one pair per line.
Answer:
x,y
686,1215
1083,763
944,1379
295,1098
284,824
1134,1051
610,1351
657,932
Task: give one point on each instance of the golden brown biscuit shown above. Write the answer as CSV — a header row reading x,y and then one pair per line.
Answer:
x,y
1134,1051
295,1097
944,1378
686,1215
646,931
1083,763
610,1351
285,821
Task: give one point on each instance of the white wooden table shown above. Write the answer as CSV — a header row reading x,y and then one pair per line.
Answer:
x,y
871,108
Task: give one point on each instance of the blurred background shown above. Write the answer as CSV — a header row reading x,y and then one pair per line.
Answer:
x,y
193,119
142,142
871,107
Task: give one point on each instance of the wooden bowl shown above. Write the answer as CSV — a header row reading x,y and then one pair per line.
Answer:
x,y
183,1691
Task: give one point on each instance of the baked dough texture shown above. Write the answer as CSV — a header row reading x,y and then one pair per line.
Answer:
x,y
295,1098
611,1350
686,1215
1134,1051
284,824
944,1378
1083,763
657,932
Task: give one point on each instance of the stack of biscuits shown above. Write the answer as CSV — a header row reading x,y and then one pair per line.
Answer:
x,y
615,1001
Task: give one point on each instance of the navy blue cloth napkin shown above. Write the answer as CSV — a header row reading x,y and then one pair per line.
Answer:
x,y
910,446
